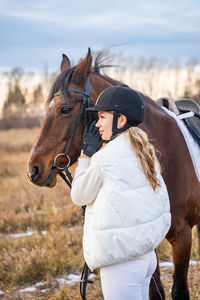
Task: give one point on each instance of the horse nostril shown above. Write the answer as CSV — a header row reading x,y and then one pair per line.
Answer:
x,y
34,173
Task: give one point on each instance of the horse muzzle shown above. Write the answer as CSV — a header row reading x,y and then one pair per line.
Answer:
x,y
35,177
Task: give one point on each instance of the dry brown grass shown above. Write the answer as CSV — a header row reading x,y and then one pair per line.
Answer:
x,y
28,260
35,258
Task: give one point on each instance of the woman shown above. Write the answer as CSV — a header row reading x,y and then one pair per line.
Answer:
x,y
127,205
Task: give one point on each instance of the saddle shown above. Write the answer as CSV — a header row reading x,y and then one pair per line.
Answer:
x,y
188,110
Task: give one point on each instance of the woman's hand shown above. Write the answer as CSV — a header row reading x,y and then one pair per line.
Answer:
x,y
91,140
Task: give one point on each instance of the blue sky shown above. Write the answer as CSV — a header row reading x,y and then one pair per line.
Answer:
x,y
37,32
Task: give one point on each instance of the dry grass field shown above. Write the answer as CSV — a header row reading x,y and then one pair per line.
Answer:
x,y
41,233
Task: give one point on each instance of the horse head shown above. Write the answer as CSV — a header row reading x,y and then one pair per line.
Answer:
x,y
62,110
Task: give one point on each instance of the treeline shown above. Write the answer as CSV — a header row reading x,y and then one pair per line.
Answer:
x,y
26,92
161,78
23,106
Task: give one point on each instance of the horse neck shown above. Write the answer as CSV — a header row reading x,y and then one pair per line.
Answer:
x,y
157,125
100,83
152,109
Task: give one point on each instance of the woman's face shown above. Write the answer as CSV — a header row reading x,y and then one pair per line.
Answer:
x,y
105,124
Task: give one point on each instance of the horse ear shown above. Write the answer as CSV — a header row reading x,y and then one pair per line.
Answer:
x,y
65,64
83,69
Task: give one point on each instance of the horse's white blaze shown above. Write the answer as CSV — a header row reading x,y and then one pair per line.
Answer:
x,y
52,103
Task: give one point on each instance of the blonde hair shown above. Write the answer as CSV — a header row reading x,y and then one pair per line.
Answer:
x,y
146,153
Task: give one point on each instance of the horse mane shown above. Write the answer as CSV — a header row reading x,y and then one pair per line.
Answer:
x,y
101,57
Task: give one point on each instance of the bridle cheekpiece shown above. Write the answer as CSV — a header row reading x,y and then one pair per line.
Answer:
x,y
85,104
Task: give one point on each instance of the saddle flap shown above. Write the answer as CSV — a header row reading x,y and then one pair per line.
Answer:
x,y
192,123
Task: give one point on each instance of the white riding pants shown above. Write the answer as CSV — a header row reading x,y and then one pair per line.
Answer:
x,y
129,280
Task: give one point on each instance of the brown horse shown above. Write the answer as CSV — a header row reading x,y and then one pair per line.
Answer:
x,y
184,189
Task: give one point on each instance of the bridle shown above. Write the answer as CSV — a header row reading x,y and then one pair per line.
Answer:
x,y
85,104
68,177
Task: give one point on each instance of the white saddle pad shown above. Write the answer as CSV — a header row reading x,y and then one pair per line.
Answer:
x,y
193,147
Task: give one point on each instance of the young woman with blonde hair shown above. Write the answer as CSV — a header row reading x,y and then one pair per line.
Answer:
x,y
127,205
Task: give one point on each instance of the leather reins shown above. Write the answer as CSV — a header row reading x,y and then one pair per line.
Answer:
x,y
67,177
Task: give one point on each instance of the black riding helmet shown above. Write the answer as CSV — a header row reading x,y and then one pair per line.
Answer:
x,y
121,100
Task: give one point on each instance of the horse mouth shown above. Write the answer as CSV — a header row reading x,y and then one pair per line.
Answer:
x,y
49,181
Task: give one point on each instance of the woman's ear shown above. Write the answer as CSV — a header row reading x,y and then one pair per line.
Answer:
x,y
121,121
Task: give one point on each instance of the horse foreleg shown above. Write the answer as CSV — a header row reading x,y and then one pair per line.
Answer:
x,y
156,291
181,248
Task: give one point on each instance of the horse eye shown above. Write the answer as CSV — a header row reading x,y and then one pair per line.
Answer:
x,y
65,110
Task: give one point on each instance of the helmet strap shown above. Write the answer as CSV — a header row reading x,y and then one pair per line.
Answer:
x,y
116,130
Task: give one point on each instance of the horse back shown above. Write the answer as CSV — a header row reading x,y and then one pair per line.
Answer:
x,y
176,164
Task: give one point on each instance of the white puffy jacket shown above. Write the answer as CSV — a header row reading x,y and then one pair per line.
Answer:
x,y
125,219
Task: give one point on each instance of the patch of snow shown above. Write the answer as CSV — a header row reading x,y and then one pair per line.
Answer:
x,y
44,232
62,281
169,264
22,234
73,278
28,290
28,233
44,291
193,262
166,264
92,275
40,283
